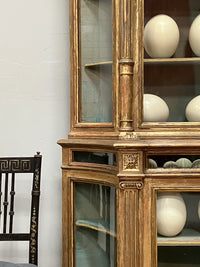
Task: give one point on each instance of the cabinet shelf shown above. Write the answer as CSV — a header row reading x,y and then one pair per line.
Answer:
x,y
188,237
98,64
98,225
191,60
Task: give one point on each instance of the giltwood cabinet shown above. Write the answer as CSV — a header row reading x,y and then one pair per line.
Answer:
x,y
131,185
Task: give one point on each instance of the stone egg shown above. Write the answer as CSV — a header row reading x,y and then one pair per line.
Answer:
x,y
161,36
155,109
192,111
171,213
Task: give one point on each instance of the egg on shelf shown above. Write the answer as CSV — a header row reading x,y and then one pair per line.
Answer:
x,y
194,36
192,111
184,163
152,164
170,165
196,163
171,213
155,109
161,36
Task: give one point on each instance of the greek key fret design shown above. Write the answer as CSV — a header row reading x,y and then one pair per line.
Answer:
x,y
15,165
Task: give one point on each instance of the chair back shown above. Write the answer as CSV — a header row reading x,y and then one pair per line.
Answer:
x,y
9,167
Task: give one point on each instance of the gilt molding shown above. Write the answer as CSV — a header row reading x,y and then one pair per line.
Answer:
x,y
131,185
128,135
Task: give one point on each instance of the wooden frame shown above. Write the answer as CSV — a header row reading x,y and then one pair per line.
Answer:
x,y
127,136
11,167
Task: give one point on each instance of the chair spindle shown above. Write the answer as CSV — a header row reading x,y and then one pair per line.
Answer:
x,y
0,195
12,197
5,203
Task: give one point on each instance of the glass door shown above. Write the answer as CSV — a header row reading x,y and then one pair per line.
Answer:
x,y
171,62
95,230
95,61
178,229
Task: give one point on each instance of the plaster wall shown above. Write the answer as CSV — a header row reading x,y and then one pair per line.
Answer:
x,y
34,105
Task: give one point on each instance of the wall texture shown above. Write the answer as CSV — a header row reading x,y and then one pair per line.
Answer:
x,y
34,103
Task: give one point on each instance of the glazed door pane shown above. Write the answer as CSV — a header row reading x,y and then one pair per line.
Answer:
x,y
95,47
178,229
171,72
95,225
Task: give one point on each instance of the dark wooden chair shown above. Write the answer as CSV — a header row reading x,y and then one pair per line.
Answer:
x,y
9,170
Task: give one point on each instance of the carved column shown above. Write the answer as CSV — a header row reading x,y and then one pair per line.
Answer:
x,y
126,65
128,243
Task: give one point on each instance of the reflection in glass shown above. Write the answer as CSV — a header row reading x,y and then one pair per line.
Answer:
x,y
176,84
95,225
95,157
178,257
96,60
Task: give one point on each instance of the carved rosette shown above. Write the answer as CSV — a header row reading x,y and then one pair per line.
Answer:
x,y
130,162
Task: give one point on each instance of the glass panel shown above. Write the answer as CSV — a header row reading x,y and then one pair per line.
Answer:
x,y
96,60
178,228
173,161
171,68
95,157
95,225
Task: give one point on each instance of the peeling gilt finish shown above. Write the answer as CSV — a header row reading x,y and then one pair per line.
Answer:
x,y
128,137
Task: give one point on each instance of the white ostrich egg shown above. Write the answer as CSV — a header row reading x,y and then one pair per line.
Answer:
x,y
171,213
192,111
161,37
194,36
155,109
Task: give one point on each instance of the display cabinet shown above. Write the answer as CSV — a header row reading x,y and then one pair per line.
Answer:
x,y
131,163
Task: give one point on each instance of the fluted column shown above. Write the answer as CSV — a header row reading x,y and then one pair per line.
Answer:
x,y
128,242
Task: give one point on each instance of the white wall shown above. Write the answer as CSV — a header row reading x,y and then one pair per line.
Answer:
x,y
34,101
